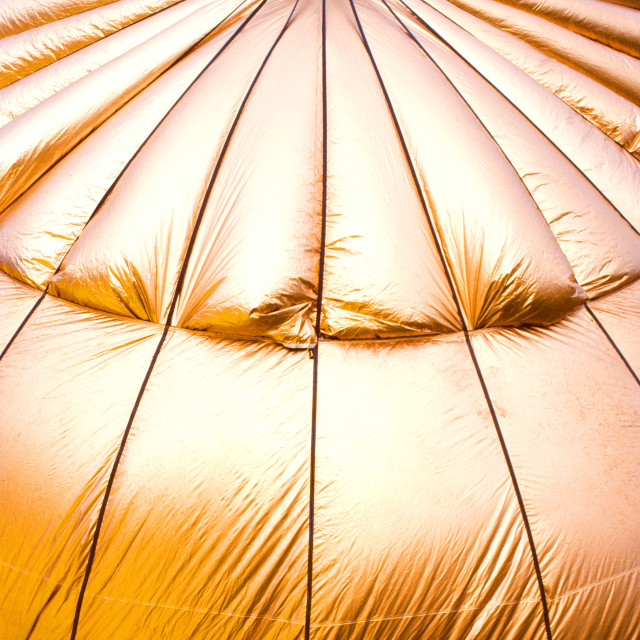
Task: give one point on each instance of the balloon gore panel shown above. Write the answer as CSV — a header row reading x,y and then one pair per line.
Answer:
x,y
319,319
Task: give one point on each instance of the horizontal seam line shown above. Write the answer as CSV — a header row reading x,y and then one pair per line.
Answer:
x,y
331,624
489,605
231,336
428,613
195,610
595,584
152,604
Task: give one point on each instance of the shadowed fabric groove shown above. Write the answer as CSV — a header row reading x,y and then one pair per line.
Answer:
x,y
176,294
543,599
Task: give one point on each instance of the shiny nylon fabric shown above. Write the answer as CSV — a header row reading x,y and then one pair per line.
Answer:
x,y
395,461
36,48
615,69
611,112
41,84
613,25
561,437
21,15
318,320
237,560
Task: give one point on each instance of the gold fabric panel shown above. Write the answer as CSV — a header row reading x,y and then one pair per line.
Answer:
x,y
573,440
38,86
128,263
603,250
417,530
58,413
17,301
614,69
37,231
617,116
619,313
20,15
383,275
26,52
31,145
206,532
494,254
254,268
616,26
319,319
612,170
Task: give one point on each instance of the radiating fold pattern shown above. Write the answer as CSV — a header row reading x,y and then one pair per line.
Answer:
x,y
160,194
24,53
409,202
256,255
501,275
319,319
615,69
383,274
617,116
39,85
21,15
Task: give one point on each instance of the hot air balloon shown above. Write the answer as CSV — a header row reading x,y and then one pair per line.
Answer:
x,y
319,319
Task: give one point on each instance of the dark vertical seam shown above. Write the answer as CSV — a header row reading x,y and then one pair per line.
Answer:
x,y
514,481
315,350
167,325
126,166
480,122
412,36
23,323
112,475
612,342
171,66
414,175
531,36
442,39
516,487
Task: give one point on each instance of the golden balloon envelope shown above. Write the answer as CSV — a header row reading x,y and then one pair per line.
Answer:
x,y
319,319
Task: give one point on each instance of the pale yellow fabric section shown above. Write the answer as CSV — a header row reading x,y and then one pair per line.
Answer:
x,y
601,247
254,267
39,85
614,69
60,416
570,413
129,258
417,529
206,532
37,231
383,275
504,261
20,15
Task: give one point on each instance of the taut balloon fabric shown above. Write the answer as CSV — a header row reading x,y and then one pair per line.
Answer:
x,y
319,320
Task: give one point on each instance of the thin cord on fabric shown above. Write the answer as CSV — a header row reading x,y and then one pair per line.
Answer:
x,y
431,30
316,351
442,39
167,325
103,38
128,164
611,342
455,295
